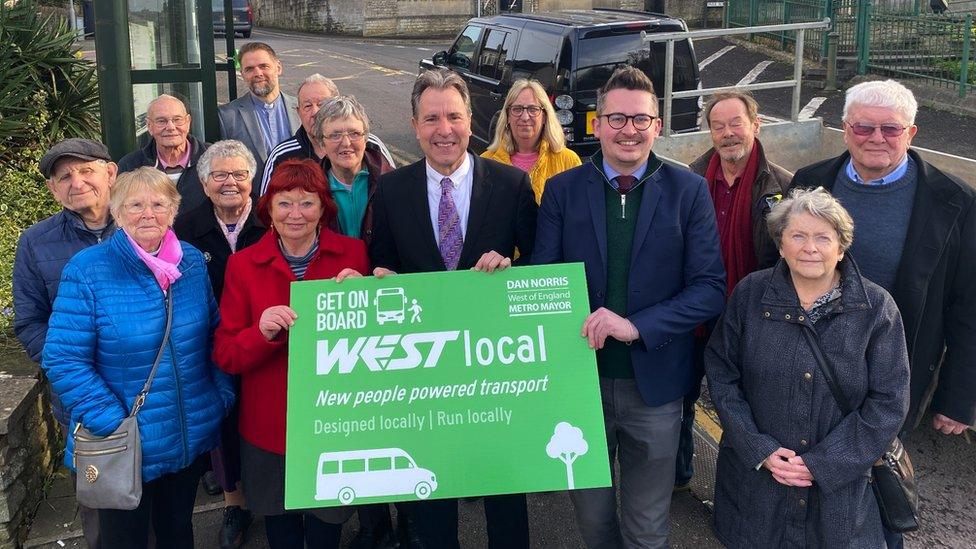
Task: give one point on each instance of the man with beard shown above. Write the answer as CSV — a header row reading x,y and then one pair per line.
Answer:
x,y
171,149
743,185
265,116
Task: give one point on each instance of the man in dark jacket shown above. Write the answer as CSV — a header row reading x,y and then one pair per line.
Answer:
x,y
171,149
743,185
79,173
915,235
312,92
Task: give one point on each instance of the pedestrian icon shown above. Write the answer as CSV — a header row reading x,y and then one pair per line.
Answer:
x,y
416,309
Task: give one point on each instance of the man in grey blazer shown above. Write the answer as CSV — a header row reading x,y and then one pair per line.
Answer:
x,y
265,116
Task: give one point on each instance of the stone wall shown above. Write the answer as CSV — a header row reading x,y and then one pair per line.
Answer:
x,y
28,451
425,18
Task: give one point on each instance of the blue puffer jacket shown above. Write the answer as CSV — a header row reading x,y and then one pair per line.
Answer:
x,y
103,336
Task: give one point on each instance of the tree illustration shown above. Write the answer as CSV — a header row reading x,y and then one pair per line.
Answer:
x,y
567,444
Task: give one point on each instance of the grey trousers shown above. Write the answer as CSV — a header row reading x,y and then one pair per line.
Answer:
x,y
644,440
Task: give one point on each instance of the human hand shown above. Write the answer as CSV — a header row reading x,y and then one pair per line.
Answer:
x,y
603,323
947,425
381,272
348,272
785,471
273,319
492,261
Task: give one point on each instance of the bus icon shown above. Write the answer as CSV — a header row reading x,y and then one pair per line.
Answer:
x,y
346,476
390,305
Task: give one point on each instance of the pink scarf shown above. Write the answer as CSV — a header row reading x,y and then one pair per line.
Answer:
x,y
164,265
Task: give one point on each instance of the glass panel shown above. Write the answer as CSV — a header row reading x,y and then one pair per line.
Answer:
x,y
163,34
191,93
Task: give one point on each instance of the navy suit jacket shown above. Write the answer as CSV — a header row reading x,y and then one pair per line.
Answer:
x,y
676,279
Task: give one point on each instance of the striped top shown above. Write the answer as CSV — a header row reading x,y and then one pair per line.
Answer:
x,y
299,265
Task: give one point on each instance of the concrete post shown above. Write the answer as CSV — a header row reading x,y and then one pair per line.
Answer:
x,y
830,82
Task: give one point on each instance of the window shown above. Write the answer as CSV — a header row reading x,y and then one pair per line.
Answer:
x,y
494,53
329,468
461,53
354,466
598,57
401,462
380,464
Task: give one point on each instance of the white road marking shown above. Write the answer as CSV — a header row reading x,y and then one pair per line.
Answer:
x,y
754,73
425,49
708,60
808,111
400,47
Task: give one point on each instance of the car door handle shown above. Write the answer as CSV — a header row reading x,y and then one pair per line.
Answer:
x,y
495,95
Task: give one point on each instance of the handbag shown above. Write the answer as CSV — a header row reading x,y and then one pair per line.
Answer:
x,y
109,468
892,476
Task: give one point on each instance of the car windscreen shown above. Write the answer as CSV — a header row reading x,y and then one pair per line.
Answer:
x,y
599,56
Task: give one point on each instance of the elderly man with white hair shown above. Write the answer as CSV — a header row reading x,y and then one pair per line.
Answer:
x,y
915,235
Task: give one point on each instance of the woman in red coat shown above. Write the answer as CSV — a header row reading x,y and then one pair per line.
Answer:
x,y
252,339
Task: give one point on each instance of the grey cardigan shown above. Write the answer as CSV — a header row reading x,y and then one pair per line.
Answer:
x,y
769,392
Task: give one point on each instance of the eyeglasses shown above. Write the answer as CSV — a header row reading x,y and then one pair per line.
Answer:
x,y
887,130
239,175
335,137
617,120
517,110
136,208
163,122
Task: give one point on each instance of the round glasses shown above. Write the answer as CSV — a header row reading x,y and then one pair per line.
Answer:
x,y
518,110
238,175
887,130
617,120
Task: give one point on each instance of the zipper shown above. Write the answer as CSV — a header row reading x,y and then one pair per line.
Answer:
x,y
106,451
179,399
113,436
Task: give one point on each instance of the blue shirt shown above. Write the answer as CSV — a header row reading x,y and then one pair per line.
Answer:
x,y
612,173
891,177
275,126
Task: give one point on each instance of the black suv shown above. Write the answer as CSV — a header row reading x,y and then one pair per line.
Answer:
x,y
572,53
243,17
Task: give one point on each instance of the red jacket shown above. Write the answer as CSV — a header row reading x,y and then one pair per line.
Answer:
x,y
258,277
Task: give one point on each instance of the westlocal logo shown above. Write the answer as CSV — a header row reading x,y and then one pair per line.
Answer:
x,y
376,352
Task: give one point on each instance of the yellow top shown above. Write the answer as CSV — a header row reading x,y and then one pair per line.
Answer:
x,y
548,165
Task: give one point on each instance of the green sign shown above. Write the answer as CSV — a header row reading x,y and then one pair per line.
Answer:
x,y
442,385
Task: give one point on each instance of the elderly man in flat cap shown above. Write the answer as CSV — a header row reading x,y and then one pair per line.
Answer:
x,y
79,173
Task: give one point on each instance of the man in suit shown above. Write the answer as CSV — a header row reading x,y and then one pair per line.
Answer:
x,y
265,116
914,235
453,210
646,234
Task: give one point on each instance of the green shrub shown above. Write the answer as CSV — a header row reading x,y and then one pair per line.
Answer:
x,y
47,92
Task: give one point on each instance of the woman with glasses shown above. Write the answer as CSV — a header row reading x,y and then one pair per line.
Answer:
x,y
528,136
105,332
352,164
226,222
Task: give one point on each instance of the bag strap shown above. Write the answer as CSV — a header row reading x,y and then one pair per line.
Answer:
x,y
827,369
141,398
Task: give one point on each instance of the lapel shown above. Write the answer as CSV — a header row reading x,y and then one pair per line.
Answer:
x,y
652,195
597,202
290,103
480,197
250,118
934,214
416,196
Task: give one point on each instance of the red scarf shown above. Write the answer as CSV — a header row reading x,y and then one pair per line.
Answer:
x,y
735,238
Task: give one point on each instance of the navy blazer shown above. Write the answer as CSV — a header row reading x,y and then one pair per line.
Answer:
x,y
676,279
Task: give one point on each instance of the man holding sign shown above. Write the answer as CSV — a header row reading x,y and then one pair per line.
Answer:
x,y
451,211
647,236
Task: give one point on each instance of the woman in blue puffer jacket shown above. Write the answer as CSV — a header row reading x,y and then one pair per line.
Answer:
x,y
105,331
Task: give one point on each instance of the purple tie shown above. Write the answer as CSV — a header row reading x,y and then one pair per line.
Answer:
x,y
449,227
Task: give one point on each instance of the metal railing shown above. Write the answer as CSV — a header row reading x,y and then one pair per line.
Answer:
x,y
670,37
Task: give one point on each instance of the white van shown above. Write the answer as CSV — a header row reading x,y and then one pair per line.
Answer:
x,y
352,474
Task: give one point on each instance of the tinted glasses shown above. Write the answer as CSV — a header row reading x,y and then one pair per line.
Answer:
x,y
887,130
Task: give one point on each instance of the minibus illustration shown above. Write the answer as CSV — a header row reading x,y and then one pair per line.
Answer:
x,y
352,474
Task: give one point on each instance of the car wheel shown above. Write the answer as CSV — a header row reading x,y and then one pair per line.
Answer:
x,y
246,34
422,491
346,496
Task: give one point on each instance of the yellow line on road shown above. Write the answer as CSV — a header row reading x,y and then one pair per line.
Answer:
x,y
707,421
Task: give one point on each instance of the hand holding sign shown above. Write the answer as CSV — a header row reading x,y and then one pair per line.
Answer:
x,y
273,319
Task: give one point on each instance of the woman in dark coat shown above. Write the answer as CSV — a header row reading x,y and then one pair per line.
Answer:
x,y
225,223
792,470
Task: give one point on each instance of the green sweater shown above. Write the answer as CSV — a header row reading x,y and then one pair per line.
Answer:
x,y
614,360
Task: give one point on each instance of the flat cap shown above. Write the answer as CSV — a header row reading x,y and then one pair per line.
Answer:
x,y
83,149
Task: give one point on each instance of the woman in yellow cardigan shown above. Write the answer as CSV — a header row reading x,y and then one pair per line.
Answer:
x,y
529,137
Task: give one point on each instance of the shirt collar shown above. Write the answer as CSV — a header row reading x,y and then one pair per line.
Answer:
x,y
266,106
336,185
886,180
183,162
612,173
457,177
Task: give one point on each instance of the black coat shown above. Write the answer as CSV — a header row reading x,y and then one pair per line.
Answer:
x,y
502,218
935,288
199,228
770,393
191,192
